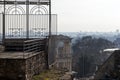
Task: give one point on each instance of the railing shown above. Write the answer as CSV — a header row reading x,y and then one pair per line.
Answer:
x,y
15,26
25,48
33,46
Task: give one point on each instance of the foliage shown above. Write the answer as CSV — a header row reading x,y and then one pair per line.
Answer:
x,y
86,54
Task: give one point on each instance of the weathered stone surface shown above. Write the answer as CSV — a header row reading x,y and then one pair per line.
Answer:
x,y
22,69
13,69
60,54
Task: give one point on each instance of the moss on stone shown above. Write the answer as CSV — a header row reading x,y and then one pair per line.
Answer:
x,y
49,75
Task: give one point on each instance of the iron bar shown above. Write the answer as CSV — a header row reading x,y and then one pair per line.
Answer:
x,y
46,2
27,19
3,29
4,24
49,18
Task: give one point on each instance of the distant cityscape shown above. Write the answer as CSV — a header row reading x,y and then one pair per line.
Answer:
x,y
111,36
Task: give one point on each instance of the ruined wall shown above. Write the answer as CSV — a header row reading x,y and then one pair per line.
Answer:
x,y
60,52
52,51
63,56
22,69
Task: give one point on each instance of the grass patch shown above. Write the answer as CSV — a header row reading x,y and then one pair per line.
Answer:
x,y
49,75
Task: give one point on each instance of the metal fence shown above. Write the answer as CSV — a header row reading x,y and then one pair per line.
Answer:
x,y
33,46
38,25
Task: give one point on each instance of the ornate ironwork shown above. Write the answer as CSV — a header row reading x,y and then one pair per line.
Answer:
x,y
15,10
39,10
21,18
39,32
15,32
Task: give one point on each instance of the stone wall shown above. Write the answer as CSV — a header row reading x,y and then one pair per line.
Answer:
x,y
36,65
60,56
63,56
52,50
22,69
12,69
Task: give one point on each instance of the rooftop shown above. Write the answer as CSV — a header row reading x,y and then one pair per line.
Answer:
x,y
111,50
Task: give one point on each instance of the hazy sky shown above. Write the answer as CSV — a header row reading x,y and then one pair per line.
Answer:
x,y
87,15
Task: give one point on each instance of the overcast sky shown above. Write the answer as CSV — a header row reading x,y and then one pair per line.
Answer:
x,y
87,15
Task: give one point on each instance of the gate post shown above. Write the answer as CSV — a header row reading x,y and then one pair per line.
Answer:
x,y
27,19
3,39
